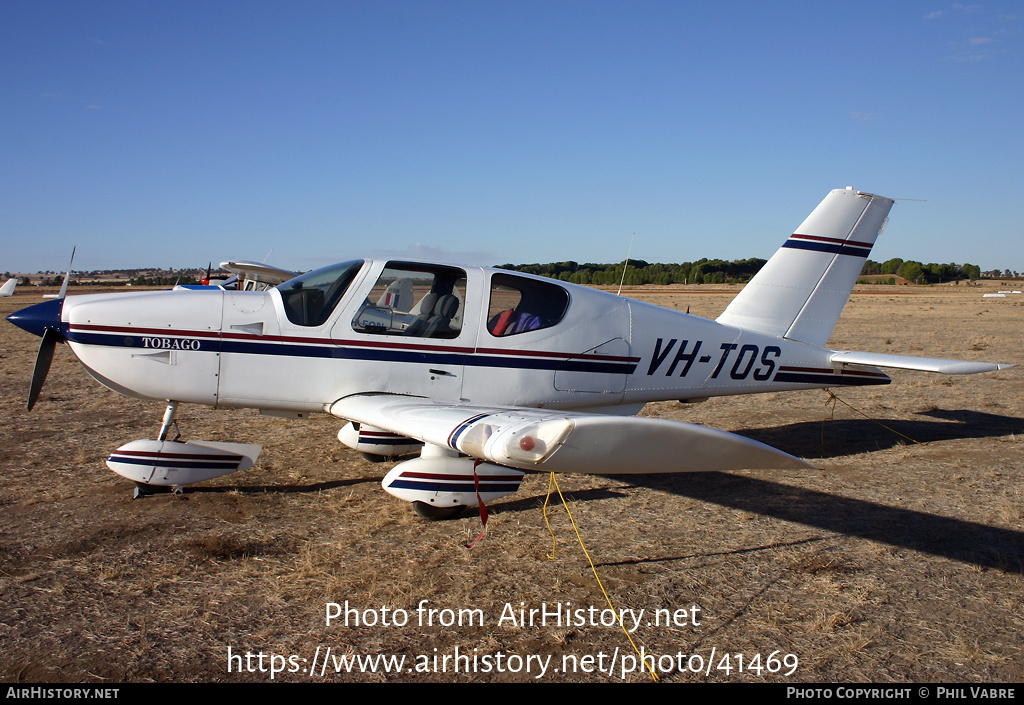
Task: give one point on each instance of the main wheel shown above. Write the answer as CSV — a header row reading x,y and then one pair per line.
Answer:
x,y
435,513
374,458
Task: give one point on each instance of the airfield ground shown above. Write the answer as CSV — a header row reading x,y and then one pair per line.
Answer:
x,y
894,561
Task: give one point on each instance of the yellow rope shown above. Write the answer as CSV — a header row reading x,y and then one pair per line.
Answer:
x,y
833,399
554,541
593,568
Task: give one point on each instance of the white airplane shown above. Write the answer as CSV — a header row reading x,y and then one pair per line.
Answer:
x,y
245,276
256,276
497,373
8,288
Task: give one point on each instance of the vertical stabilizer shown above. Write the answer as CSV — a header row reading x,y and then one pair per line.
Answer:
x,y
803,288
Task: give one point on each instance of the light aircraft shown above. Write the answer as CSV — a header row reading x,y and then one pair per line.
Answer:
x,y
8,288
488,373
249,276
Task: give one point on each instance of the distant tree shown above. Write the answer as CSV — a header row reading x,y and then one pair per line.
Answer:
x,y
911,271
891,266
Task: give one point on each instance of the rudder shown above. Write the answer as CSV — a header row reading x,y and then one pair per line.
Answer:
x,y
801,291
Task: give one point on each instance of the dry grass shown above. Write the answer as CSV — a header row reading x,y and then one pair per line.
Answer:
x,y
893,562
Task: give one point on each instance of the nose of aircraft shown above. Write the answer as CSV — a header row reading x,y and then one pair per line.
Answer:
x,y
42,320
39,318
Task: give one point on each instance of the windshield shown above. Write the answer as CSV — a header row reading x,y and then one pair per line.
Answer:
x,y
310,299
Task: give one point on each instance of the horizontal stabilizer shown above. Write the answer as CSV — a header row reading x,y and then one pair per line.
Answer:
x,y
921,364
565,441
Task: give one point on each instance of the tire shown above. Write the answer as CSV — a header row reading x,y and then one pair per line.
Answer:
x,y
435,513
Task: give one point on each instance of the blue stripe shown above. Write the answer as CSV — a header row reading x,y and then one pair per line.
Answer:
x,y
168,463
852,250
828,380
353,353
389,441
453,437
426,486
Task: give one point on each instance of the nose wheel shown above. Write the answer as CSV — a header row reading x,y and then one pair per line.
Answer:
x,y
436,513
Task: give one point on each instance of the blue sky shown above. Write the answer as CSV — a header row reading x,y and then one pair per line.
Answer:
x,y
174,133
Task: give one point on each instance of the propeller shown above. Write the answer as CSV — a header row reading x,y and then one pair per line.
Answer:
x,y
42,319
43,359
67,277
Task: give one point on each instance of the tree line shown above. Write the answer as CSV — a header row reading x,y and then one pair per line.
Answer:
x,y
716,271
919,273
703,271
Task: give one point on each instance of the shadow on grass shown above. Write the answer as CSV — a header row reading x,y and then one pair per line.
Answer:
x,y
964,541
838,437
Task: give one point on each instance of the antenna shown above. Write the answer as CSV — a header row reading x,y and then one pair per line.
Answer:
x,y
626,265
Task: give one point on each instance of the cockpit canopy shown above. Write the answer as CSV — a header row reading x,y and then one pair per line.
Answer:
x,y
423,300
310,299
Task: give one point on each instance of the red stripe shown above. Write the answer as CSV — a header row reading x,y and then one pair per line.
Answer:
x,y
862,373
838,241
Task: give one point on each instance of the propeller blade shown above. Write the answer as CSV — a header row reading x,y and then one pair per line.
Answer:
x,y
43,359
67,277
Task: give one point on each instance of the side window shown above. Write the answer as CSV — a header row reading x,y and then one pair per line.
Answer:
x,y
519,305
310,299
417,300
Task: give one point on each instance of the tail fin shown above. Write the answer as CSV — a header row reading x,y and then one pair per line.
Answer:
x,y
803,288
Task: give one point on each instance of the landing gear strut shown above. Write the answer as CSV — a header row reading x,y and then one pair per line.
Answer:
x,y
168,421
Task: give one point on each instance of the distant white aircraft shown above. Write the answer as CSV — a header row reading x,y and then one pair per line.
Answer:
x,y
245,276
8,288
491,374
256,276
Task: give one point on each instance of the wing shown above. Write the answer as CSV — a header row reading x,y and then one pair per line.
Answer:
x,y
922,364
564,441
259,272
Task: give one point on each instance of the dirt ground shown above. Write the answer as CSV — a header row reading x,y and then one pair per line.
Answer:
x,y
896,560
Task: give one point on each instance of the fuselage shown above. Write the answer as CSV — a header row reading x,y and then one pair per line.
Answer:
x,y
490,337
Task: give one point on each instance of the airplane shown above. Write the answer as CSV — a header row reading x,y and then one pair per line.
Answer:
x,y
8,287
248,276
489,374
